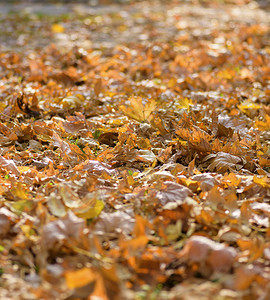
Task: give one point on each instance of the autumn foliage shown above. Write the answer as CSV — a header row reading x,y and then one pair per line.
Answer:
x,y
134,158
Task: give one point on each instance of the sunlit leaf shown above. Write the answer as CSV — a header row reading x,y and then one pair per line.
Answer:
x,y
71,102
58,28
79,278
92,210
115,223
223,161
138,109
56,206
173,192
248,105
263,125
262,181
23,206
183,103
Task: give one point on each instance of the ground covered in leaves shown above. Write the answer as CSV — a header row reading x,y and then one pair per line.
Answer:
x,y
134,159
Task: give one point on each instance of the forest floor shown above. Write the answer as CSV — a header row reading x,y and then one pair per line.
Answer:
x,y
135,145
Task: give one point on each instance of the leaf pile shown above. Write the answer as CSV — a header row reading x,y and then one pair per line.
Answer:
x,y
134,154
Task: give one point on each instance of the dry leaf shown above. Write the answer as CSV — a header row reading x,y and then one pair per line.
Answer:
x,y
139,110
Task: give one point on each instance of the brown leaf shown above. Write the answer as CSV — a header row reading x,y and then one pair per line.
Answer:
x,y
5,217
223,161
197,138
108,138
25,107
98,87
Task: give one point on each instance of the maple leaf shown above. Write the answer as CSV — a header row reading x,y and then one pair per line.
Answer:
x,y
197,138
138,109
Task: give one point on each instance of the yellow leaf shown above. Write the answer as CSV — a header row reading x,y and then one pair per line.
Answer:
x,y
184,103
226,74
20,192
58,28
26,229
138,110
22,206
263,126
74,101
262,181
23,169
248,105
173,231
91,211
79,278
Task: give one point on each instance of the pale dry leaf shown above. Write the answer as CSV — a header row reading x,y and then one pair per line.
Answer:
x,y
223,161
59,231
207,181
199,249
112,224
173,192
9,165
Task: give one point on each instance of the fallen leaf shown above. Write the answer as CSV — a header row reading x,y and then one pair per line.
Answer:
x,y
78,278
61,230
113,224
223,161
58,28
9,165
173,192
199,249
139,110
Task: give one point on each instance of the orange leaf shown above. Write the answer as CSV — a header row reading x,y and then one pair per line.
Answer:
x,y
79,278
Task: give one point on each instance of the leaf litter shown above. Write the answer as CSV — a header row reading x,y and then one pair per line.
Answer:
x,y
135,151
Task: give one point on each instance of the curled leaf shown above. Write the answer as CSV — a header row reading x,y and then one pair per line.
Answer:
x,y
223,161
